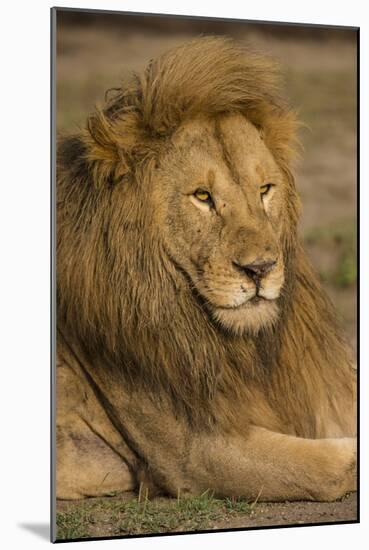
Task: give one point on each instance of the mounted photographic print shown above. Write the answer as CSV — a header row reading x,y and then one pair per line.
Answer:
x,y
204,300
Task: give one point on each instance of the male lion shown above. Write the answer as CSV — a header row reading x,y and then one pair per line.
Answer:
x,y
196,349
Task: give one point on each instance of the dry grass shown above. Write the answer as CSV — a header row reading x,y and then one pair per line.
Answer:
x,y
118,516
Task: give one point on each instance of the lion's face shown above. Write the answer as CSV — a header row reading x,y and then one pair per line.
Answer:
x,y
219,199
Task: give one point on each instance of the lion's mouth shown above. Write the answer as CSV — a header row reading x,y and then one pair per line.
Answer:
x,y
248,316
252,302
256,299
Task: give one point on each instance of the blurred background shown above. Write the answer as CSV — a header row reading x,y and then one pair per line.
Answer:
x,y
94,51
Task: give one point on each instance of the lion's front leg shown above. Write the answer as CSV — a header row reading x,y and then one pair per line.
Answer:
x,y
276,467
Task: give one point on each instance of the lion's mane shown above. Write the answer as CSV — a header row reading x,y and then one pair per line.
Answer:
x,y
118,299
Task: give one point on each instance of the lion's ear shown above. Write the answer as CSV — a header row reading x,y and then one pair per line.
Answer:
x,y
110,144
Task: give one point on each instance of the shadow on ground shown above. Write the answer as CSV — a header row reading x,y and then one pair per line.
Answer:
x,y
42,530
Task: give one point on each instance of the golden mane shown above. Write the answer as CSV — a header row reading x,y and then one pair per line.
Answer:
x,y
117,300
209,76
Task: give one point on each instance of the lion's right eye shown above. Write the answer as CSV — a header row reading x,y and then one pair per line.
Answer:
x,y
203,196
264,189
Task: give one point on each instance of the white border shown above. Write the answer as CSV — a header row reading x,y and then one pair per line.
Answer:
x,y
24,219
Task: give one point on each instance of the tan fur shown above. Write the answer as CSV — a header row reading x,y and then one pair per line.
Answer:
x,y
192,382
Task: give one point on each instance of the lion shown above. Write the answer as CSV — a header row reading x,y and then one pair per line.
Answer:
x,y
196,350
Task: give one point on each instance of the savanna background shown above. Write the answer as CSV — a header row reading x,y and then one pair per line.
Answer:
x,y
94,51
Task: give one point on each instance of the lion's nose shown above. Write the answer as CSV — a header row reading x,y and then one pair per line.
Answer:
x,y
256,270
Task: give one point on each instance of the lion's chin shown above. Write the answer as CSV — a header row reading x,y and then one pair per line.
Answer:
x,y
247,318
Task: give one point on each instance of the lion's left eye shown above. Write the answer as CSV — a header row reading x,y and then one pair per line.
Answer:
x,y
264,189
203,196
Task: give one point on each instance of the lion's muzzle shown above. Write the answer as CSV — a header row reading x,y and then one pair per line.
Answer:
x,y
256,270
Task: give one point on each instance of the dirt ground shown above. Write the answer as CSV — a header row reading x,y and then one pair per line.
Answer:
x,y
115,515
321,84
299,513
